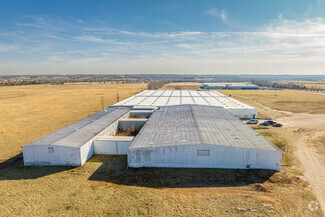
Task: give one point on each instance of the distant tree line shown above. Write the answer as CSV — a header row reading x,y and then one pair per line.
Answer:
x,y
69,79
156,81
286,85
51,80
28,82
155,85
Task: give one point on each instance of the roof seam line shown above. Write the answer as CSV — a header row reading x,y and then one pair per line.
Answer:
x,y
196,124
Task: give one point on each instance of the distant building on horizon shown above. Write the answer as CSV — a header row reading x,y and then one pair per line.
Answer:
x,y
230,86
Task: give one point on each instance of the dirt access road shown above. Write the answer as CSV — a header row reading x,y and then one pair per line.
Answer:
x,y
313,166
311,161
303,120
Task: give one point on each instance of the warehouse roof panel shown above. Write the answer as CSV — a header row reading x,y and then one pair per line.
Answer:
x,y
80,132
195,124
182,97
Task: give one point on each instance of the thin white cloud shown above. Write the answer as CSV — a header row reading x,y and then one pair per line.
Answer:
x,y
6,47
91,39
308,27
216,13
56,58
83,61
187,46
166,35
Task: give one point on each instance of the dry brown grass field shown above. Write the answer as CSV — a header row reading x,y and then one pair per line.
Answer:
x,y
283,100
102,187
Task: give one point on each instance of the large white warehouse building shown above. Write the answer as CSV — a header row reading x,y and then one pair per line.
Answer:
x,y
194,129
231,86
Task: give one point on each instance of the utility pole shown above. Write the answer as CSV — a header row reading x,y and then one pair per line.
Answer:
x,y
102,101
117,98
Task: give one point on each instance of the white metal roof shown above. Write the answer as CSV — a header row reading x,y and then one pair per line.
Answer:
x,y
159,98
80,132
195,125
114,138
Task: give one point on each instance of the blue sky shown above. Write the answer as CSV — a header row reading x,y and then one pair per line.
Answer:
x,y
200,37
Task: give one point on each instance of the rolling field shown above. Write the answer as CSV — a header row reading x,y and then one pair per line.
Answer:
x,y
103,187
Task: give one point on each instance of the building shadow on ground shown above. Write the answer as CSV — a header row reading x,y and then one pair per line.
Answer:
x,y
113,169
14,169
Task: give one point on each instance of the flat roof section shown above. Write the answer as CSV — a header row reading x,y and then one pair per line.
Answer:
x,y
80,132
195,125
161,98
